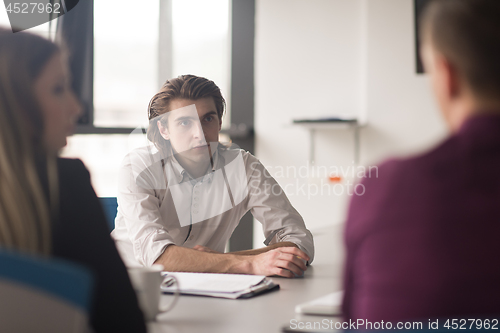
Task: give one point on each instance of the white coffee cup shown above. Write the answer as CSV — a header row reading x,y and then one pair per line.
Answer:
x,y
146,282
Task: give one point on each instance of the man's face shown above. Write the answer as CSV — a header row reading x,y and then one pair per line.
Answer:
x,y
192,128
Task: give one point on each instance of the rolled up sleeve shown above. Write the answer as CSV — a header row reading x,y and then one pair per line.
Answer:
x,y
270,206
139,222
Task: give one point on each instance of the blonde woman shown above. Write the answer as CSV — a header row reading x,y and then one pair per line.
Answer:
x,y
47,204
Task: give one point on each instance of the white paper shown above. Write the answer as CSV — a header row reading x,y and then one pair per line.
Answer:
x,y
213,283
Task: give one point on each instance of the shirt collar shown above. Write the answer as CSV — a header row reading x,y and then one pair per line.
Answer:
x,y
182,175
481,121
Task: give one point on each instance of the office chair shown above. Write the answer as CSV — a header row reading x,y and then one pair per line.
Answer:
x,y
43,295
110,206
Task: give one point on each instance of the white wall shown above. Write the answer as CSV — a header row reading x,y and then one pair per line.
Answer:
x,y
336,57
402,115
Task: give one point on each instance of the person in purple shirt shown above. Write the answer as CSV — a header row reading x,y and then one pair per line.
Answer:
x,y
423,242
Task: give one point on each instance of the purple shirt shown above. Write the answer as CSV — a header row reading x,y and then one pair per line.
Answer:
x,y
424,239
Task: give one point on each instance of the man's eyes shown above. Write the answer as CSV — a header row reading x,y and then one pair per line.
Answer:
x,y
185,123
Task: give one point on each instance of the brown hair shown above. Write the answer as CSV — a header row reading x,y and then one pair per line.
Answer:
x,y
467,33
186,87
24,207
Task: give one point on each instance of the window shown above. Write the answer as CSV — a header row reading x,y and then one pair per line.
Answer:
x,y
103,155
137,48
125,61
201,42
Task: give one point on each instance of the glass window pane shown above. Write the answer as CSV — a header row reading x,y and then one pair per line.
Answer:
x,y
126,72
125,61
103,155
201,41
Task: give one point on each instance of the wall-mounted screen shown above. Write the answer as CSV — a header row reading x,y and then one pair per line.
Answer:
x,y
419,6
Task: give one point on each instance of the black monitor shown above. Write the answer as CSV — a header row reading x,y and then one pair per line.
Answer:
x,y
419,6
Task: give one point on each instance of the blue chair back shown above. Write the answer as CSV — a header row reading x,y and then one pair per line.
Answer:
x,y
110,205
40,294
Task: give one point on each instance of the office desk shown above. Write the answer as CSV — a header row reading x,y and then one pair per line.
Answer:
x,y
264,313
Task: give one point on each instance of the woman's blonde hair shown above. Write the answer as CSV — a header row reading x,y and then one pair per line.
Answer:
x,y
25,166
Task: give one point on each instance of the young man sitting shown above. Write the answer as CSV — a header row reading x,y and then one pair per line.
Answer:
x,y
179,202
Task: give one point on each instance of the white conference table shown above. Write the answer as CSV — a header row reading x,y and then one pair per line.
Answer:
x,y
264,313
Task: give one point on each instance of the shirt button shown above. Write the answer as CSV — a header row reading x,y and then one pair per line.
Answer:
x,y
195,205
195,199
195,212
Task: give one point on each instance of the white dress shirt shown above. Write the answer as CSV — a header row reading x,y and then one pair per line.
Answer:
x,y
160,204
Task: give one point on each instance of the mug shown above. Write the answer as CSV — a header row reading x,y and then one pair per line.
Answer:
x,y
146,282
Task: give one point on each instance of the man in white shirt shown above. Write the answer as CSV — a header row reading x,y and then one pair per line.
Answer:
x,y
180,202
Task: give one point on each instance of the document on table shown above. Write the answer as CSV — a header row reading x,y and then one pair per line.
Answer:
x,y
231,286
328,305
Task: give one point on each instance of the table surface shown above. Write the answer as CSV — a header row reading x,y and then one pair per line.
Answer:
x,y
264,313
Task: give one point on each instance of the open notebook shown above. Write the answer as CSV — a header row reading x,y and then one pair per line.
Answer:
x,y
231,286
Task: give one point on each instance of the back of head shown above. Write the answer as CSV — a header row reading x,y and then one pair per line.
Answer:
x,y
24,216
467,33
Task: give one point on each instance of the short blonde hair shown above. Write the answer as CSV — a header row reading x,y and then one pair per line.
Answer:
x,y
467,33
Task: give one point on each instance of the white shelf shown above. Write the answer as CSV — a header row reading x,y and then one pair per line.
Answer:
x,y
312,125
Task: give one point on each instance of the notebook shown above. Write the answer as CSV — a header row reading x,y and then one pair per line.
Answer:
x,y
328,305
232,286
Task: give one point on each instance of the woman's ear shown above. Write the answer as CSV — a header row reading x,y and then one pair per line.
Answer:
x,y
163,130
